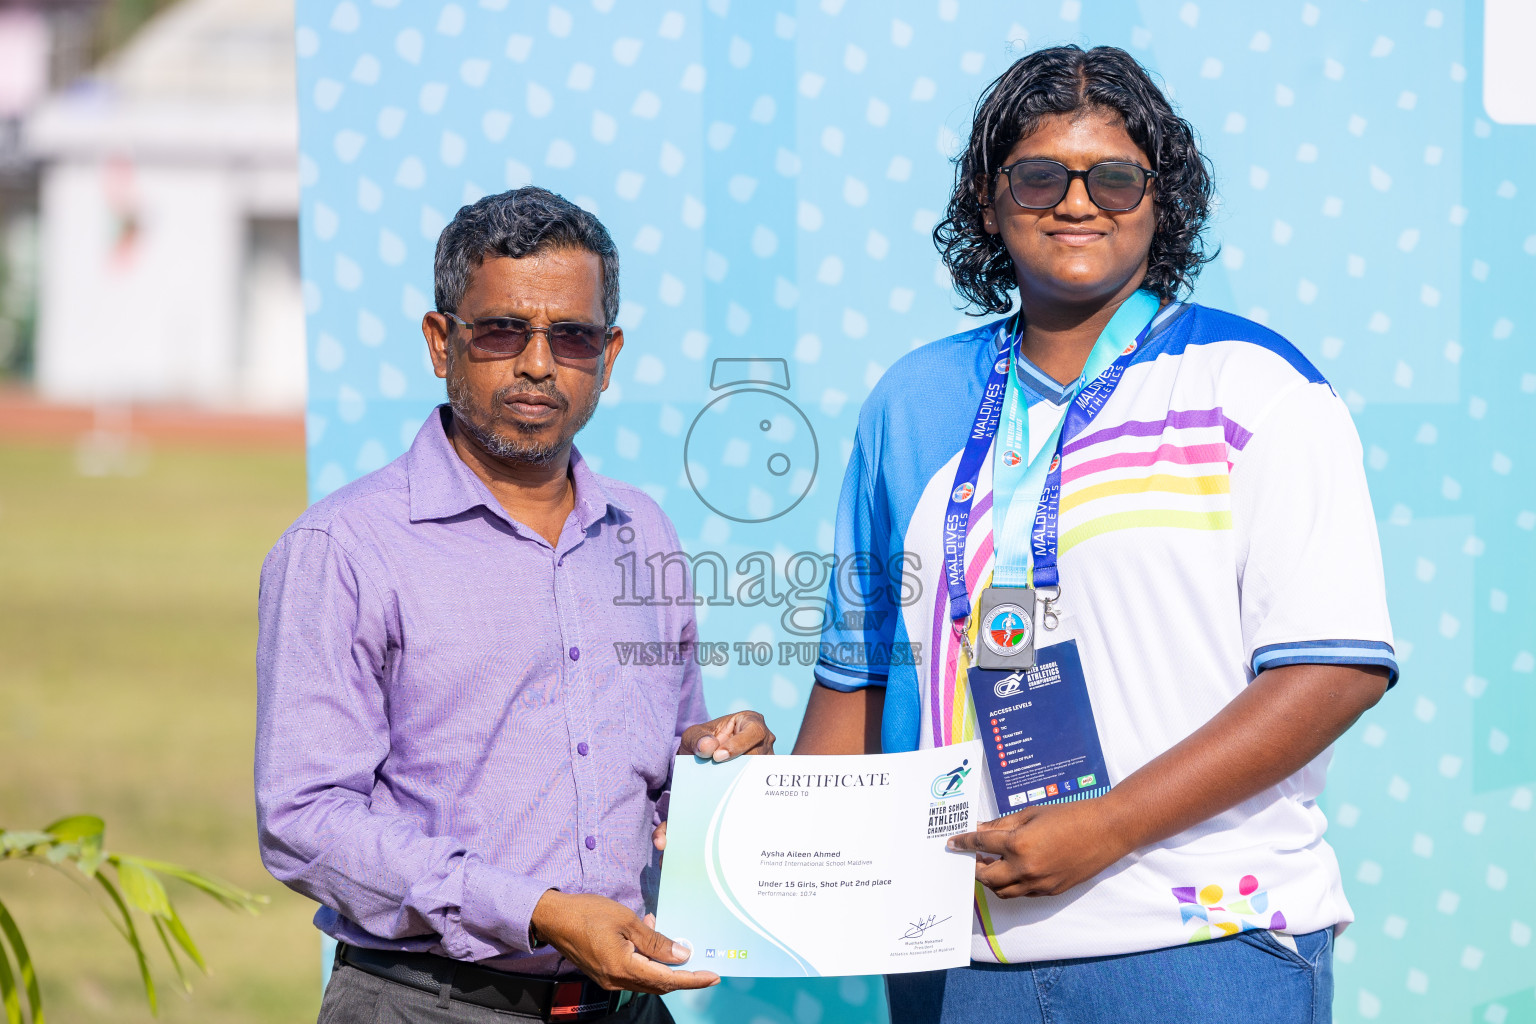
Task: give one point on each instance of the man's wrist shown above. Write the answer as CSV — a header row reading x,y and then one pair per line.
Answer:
x,y
536,938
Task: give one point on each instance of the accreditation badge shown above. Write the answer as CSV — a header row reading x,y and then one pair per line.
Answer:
x,y
1038,726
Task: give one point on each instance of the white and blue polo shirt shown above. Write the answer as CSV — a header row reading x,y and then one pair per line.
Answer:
x,y
1215,522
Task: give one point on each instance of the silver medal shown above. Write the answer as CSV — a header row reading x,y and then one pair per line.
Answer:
x,y
1006,628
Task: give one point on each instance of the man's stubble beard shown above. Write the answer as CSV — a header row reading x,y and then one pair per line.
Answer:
x,y
515,449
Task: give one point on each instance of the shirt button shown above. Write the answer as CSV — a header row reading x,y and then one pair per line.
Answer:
x,y
581,748
591,842
575,653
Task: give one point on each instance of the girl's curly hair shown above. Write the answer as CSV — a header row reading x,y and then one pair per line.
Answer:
x,y
1065,80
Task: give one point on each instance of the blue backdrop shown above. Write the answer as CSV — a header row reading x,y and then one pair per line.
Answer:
x,y
771,171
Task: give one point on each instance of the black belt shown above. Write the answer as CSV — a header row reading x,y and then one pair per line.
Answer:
x,y
551,999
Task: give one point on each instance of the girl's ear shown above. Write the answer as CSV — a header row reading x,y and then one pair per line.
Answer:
x,y
988,208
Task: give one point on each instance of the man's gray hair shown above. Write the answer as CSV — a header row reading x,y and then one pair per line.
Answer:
x,y
522,222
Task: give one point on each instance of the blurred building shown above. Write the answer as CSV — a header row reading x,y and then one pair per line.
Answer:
x,y
168,209
44,44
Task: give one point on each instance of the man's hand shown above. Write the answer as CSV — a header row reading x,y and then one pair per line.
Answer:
x,y
612,946
745,732
1044,851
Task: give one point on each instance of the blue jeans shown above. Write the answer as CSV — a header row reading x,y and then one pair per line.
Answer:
x,y
1249,977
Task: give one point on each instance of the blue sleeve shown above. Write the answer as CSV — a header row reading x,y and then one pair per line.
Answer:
x,y
862,596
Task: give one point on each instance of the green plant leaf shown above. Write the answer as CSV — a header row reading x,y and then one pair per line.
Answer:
x,y
78,839
24,962
183,939
90,860
59,852
20,840
131,933
78,827
85,832
140,886
165,940
8,990
230,896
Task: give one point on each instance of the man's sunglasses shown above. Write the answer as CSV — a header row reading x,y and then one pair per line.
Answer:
x,y
505,336
1114,186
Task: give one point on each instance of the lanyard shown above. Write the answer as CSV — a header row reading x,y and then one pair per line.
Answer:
x,y
1029,539
1011,447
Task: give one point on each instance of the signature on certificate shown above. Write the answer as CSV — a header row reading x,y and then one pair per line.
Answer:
x,y
916,928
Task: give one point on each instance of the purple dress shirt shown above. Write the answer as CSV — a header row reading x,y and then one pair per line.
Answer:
x,y
444,730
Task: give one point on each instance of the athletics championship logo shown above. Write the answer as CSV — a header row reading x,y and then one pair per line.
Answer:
x,y
951,783
1009,684
1007,630
1011,458
1055,463
963,492
1002,365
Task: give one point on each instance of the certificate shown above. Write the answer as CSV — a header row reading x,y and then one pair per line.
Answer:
x,y
782,866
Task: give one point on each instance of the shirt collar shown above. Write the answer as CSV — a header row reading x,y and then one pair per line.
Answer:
x,y
1035,380
593,499
442,486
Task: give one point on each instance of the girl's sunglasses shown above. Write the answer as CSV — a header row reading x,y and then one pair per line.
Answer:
x,y
1114,186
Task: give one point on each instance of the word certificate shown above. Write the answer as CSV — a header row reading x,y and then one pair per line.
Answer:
x,y
781,866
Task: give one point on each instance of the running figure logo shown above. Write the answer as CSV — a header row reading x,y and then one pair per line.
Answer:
x,y
950,783
1007,630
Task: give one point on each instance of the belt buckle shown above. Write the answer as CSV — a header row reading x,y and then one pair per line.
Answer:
x,y
583,1000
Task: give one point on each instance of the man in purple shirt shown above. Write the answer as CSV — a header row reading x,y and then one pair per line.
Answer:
x,y
450,758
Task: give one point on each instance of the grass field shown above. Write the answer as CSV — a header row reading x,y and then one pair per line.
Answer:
x,y
127,689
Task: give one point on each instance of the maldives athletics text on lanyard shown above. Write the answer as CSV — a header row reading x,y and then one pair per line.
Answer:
x,y
1044,743
1026,545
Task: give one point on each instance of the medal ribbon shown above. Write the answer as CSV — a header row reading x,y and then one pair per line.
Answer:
x,y
1026,552
1030,514
958,514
